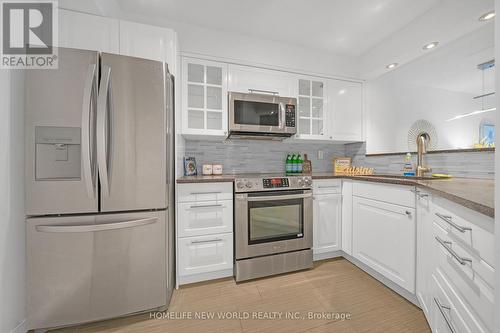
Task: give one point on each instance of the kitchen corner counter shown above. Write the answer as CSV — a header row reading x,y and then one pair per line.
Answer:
x,y
475,194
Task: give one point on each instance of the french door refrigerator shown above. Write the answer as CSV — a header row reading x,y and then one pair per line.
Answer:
x,y
99,188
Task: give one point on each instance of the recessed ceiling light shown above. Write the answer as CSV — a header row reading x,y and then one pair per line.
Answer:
x,y
430,45
391,66
488,16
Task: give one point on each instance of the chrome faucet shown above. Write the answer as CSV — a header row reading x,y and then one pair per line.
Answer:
x,y
421,150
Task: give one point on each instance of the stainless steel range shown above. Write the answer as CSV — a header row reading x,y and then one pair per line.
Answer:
x,y
273,225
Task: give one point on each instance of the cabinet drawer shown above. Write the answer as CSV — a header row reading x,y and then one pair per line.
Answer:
x,y
473,280
394,194
474,232
205,192
205,218
447,310
325,186
204,254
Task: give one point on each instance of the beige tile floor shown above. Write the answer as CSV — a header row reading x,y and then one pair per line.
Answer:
x,y
334,286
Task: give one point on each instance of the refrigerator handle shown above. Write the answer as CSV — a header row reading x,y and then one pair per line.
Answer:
x,y
104,130
88,105
96,227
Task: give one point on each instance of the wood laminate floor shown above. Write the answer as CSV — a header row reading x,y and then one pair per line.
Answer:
x,y
331,288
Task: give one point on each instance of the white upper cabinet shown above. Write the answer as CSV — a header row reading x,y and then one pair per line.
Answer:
x,y
88,32
345,110
312,108
204,98
247,79
148,42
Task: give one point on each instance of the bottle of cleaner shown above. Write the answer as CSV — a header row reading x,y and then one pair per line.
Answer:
x,y
408,170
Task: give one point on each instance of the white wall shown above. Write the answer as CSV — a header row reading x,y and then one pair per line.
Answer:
x,y
12,227
436,88
497,183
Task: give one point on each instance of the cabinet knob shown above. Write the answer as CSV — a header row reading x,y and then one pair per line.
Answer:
x,y
408,213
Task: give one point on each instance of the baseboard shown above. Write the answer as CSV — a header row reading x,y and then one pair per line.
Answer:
x,y
205,276
327,255
412,298
21,328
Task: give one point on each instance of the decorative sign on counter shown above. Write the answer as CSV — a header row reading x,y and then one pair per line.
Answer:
x,y
342,166
356,171
341,163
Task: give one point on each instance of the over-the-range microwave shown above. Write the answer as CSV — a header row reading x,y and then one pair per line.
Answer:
x,y
261,116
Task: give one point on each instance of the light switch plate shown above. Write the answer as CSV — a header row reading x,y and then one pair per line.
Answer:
x,y
320,155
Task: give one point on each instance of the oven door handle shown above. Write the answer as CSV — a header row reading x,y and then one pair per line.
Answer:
x,y
281,197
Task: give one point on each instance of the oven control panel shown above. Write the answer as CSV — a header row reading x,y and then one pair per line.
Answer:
x,y
275,182
272,183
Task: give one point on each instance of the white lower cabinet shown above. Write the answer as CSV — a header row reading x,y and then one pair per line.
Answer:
x,y
384,239
327,219
204,232
424,250
454,276
205,218
205,254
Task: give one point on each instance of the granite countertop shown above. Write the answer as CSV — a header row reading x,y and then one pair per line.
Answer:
x,y
475,194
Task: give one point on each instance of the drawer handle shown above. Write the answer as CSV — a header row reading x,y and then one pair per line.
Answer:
x,y
420,194
198,193
207,206
455,255
446,319
207,241
449,220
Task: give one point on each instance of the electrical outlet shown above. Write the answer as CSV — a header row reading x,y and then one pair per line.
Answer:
x,y
321,155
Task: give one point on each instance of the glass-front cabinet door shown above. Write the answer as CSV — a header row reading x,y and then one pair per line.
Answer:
x,y
204,97
311,106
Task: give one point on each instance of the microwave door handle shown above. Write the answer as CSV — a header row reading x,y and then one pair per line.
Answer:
x,y
280,197
282,115
104,109
88,105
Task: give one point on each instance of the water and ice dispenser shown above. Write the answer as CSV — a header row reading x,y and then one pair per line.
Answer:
x,y
58,155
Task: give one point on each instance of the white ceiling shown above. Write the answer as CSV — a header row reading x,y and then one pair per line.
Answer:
x,y
373,32
349,27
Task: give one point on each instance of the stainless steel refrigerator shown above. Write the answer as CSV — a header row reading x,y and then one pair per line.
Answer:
x,y
99,188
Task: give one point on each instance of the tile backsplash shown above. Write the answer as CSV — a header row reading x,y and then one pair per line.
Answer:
x,y
458,164
251,156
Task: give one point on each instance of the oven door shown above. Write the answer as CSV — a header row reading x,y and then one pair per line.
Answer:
x,y
272,222
256,113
